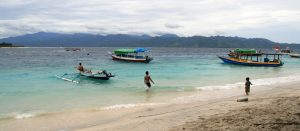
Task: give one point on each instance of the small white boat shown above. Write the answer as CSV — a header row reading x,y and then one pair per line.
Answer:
x,y
294,55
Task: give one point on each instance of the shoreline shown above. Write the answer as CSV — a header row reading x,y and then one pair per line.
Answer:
x,y
155,117
278,110
199,94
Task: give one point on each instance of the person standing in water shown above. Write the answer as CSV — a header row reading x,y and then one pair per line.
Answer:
x,y
247,85
147,80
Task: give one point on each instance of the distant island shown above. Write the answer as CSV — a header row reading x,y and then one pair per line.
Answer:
x,y
4,44
48,39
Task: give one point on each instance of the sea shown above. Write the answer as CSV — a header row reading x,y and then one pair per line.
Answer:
x,y
29,86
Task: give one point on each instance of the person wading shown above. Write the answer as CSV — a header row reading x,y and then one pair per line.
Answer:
x,y
147,80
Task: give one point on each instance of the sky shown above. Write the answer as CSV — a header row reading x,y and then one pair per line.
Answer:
x,y
277,20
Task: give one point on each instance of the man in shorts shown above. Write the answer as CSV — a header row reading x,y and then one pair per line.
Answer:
x,y
147,80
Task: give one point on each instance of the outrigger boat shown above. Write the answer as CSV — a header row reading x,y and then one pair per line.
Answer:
x,y
100,75
132,55
103,75
257,59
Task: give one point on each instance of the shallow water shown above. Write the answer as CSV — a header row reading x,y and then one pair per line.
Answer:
x,y
28,83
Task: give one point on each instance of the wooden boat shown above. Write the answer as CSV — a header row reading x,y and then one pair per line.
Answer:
x,y
254,60
132,55
294,55
76,77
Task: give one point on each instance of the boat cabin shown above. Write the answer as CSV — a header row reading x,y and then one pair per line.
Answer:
x,y
260,57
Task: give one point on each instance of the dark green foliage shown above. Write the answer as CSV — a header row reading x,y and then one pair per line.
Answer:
x,y
4,44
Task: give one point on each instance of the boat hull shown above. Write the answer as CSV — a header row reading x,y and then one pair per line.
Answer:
x,y
238,62
295,55
96,76
114,57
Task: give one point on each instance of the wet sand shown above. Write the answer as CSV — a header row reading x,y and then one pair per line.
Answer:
x,y
273,109
276,112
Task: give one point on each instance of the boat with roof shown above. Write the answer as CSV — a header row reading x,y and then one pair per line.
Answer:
x,y
251,58
132,55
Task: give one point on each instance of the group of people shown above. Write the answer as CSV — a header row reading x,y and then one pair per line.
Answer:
x,y
148,80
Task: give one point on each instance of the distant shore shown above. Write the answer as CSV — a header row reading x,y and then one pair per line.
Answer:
x,y
276,108
8,45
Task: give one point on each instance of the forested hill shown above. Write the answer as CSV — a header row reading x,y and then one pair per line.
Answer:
x,y
46,39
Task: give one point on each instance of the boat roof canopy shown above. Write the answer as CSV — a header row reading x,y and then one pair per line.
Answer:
x,y
246,51
126,51
262,54
140,49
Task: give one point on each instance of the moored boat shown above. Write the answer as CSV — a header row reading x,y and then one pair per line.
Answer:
x,y
132,55
294,55
72,49
103,75
254,60
77,77
285,51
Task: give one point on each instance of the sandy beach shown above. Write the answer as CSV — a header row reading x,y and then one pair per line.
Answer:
x,y
277,108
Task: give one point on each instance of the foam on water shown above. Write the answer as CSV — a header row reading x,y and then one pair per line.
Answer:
x,y
19,115
24,115
122,106
255,82
228,90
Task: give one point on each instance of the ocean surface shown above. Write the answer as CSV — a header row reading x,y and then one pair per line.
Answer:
x,y
28,84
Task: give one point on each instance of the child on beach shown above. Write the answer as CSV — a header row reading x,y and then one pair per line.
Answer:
x,y
147,80
247,85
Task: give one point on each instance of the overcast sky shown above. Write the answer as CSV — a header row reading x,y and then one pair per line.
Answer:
x,y
277,20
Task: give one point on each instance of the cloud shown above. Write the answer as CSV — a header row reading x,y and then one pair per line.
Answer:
x,y
186,18
172,26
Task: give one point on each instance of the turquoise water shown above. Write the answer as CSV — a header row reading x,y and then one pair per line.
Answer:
x,y
28,82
